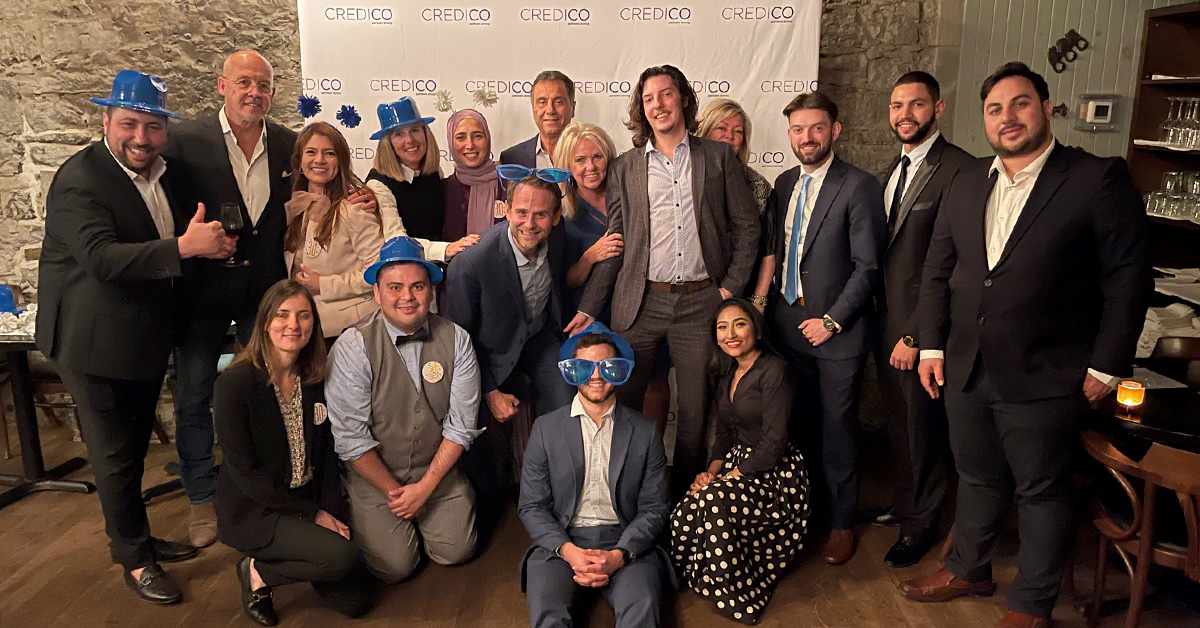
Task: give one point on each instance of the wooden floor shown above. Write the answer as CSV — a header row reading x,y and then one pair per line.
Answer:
x,y
57,574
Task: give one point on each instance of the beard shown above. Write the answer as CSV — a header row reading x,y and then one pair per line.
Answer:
x,y
919,135
597,398
1025,147
817,157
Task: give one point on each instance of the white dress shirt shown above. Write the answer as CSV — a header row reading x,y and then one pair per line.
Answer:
x,y
810,202
541,159
675,253
595,501
1004,207
915,157
253,176
151,190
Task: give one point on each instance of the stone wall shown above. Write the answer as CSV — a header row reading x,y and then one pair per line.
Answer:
x,y
55,54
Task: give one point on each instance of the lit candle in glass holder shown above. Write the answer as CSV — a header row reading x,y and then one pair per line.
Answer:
x,y
1131,394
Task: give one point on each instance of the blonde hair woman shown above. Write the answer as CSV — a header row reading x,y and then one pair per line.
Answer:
x,y
585,150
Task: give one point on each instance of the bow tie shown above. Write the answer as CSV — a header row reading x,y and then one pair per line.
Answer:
x,y
420,335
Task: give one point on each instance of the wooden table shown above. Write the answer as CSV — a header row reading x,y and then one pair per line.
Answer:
x,y
35,476
1168,416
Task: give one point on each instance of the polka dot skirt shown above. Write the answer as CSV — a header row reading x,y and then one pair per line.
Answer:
x,y
732,540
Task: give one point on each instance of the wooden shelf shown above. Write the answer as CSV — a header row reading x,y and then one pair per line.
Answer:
x,y
1170,151
1171,82
1186,225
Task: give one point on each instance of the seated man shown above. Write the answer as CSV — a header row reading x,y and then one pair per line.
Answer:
x,y
403,392
594,522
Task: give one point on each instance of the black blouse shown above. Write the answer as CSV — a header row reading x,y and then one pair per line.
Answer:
x,y
421,204
757,417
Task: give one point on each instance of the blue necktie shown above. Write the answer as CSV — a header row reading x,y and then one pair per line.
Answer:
x,y
793,254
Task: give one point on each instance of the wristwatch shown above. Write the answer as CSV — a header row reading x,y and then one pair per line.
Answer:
x,y
627,556
829,324
909,341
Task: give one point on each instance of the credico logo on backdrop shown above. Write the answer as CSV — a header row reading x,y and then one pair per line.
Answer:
x,y
670,15
362,153
516,89
712,87
612,89
768,159
447,156
370,15
776,14
420,86
323,85
475,16
788,86
570,17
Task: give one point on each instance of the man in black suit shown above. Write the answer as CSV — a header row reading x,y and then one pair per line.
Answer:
x,y
831,228
1034,292
912,196
234,156
553,100
509,293
106,309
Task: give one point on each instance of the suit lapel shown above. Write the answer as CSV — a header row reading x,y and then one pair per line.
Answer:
x,y
220,157
640,204
279,156
127,192
783,194
1053,175
508,268
574,438
698,170
622,433
979,206
829,191
920,178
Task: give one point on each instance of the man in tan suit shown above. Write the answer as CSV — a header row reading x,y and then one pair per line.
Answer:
x,y
691,231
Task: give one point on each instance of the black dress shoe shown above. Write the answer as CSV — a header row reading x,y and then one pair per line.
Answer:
x,y
171,552
258,605
154,586
909,549
883,516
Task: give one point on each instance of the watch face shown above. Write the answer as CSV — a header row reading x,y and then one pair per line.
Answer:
x,y
828,324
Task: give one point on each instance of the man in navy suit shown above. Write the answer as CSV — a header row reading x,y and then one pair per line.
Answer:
x,y
509,293
594,493
553,100
107,316
831,233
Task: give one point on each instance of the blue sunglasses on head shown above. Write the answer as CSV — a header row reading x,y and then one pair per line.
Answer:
x,y
516,172
577,371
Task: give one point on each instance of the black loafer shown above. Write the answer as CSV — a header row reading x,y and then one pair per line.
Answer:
x,y
154,586
909,549
884,516
171,552
258,605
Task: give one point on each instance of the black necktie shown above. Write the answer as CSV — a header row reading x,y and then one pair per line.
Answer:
x,y
898,195
420,335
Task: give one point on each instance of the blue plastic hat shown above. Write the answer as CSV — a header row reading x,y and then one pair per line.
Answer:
x,y
402,249
399,113
138,91
623,349
8,302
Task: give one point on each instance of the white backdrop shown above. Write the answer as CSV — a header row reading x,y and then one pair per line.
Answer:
x,y
758,52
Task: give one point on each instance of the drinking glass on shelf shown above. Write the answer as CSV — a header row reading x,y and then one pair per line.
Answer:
x,y
1191,126
1154,202
1172,182
1164,127
232,223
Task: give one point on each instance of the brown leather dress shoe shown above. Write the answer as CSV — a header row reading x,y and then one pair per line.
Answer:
x,y
942,585
1013,619
840,547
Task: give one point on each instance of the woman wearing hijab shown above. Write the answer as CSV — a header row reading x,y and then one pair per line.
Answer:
x,y
473,191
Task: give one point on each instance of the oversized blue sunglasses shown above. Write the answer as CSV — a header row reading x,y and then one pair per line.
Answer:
x,y
577,371
516,172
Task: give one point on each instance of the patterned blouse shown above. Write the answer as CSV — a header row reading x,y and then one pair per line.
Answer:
x,y
293,422
759,186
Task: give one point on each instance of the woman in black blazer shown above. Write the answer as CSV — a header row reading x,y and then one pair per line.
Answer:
x,y
279,497
745,516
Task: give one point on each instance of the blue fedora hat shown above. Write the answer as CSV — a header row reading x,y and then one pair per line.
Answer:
x,y
623,349
399,113
138,91
402,249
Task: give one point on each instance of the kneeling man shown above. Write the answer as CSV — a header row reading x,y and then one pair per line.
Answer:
x,y
594,493
403,393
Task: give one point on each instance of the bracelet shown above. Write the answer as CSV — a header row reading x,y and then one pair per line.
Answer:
x,y
759,299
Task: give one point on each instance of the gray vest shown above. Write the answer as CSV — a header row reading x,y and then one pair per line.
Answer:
x,y
406,420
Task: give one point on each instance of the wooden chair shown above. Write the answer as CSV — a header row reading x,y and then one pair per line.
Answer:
x,y
1177,357
1134,536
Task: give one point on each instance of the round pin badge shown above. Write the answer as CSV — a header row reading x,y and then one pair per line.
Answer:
x,y
432,372
320,413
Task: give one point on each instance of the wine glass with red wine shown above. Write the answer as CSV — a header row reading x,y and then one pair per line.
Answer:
x,y
231,222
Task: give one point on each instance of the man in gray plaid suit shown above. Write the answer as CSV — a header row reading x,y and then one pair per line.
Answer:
x,y
691,231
